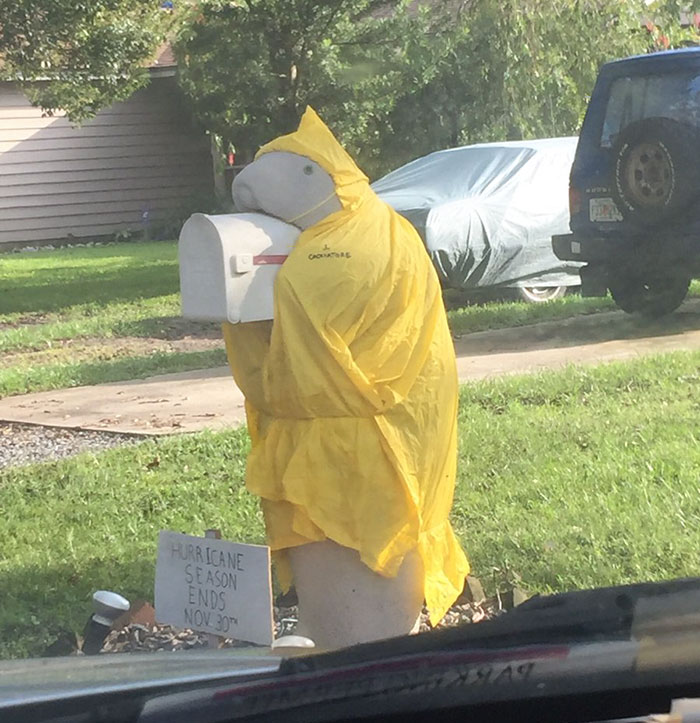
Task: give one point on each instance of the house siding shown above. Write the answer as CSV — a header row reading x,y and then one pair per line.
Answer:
x,y
58,181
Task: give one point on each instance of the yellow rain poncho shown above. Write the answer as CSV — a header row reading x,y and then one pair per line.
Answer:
x,y
352,391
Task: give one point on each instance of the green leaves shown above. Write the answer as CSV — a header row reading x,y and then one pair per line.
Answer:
x,y
91,53
524,69
394,80
400,82
251,68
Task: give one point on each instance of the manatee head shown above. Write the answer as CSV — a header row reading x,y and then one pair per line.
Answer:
x,y
288,186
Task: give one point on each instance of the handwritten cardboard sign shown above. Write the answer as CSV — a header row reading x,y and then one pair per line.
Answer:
x,y
214,586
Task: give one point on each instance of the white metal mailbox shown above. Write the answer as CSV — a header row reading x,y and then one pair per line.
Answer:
x,y
228,265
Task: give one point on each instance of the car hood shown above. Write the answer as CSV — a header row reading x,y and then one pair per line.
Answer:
x,y
44,680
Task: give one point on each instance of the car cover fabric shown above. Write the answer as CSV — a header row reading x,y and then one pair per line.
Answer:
x,y
351,392
487,212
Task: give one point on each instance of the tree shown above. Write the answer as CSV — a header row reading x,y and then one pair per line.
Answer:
x,y
397,80
394,78
525,69
251,67
86,53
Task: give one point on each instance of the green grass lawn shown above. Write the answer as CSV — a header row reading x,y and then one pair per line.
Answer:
x,y
505,314
74,316
569,479
96,297
79,278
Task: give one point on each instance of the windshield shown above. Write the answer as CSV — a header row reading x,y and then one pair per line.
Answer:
x,y
323,323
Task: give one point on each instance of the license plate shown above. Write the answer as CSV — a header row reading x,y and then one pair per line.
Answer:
x,y
603,209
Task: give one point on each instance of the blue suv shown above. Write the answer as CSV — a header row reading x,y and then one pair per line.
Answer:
x,y
634,192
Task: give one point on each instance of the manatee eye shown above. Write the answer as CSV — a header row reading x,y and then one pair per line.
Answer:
x,y
308,170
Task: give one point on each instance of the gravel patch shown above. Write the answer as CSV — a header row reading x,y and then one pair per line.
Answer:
x,y
22,444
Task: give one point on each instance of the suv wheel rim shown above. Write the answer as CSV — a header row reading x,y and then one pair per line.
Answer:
x,y
649,175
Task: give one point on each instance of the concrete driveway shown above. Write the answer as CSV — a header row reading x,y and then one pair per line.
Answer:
x,y
191,401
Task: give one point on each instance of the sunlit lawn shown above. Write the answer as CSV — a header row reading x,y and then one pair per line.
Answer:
x,y
567,479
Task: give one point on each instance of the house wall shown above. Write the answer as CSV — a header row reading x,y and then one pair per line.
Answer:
x,y
142,156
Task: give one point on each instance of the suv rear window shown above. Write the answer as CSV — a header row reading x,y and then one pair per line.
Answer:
x,y
633,98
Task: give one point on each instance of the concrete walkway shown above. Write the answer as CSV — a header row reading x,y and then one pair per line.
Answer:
x,y
191,401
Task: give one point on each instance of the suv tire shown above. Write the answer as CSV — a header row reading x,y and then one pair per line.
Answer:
x,y
653,294
656,171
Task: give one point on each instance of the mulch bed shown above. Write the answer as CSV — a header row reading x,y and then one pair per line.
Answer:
x,y
140,638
